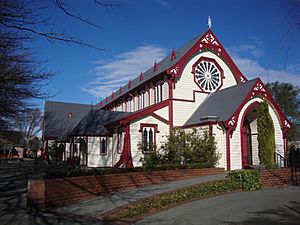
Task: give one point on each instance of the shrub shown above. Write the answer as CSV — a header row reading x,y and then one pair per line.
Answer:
x,y
294,156
247,179
266,138
182,147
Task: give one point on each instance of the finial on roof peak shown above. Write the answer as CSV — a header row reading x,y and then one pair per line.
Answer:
x,y
209,23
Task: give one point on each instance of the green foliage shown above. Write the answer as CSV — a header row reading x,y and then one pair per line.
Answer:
x,y
178,196
294,156
266,138
247,179
182,147
285,94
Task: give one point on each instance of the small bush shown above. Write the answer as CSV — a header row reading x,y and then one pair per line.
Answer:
x,y
247,179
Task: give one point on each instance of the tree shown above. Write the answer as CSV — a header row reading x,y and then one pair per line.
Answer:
x,y
266,136
29,124
21,79
287,97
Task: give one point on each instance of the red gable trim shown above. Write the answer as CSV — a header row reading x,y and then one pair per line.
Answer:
x,y
207,41
144,112
259,90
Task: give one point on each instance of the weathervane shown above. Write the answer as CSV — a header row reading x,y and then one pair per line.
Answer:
x,y
209,22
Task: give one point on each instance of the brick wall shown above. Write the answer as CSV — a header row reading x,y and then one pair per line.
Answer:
x,y
59,192
276,177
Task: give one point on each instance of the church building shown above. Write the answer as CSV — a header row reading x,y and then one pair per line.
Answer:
x,y
196,86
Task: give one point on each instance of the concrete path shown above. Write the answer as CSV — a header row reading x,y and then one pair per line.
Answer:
x,y
268,207
102,204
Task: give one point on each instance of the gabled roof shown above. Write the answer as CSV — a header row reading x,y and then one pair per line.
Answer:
x,y
220,105
94,123
162,66
60,118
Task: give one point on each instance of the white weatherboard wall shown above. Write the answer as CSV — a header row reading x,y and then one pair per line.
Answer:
x,y
164,112
254,142
136,136
95,159
185,87
220,138
279,142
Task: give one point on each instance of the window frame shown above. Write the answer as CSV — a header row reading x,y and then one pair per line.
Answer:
x,y
103,153
155,131
120,140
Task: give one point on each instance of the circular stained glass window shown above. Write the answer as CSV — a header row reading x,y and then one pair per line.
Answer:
x,y
208,76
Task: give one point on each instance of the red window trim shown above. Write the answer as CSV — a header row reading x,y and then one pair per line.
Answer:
x,y
154,126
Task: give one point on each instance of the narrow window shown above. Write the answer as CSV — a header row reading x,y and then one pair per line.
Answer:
x,y
148,137
151,139
145,139
103,146
120,140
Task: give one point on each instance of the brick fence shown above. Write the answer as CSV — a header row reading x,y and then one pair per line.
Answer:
x,y
276,177
59,192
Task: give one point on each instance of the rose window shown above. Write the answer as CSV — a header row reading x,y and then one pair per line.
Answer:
x,y
208,76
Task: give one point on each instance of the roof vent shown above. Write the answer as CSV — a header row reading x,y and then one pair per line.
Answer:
x,y
209,118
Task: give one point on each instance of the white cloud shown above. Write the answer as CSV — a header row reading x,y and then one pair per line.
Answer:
x,y
251,69
163,3
252,50
113,73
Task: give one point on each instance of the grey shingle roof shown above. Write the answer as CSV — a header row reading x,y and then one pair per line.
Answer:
x,y
220,105
162,66
57,123
94,123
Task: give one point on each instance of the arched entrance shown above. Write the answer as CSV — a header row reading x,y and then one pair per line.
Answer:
x,y
249,143
82,151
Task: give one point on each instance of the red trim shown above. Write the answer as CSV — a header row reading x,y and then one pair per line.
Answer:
x,y
173,55
259,90
243,150
207,41
170,83
129,84
126,157
212,61
228,134
141,76
154,94
155,67
160,118
120,91
143,112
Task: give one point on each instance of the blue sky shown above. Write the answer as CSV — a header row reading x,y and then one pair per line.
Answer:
x,y
262,37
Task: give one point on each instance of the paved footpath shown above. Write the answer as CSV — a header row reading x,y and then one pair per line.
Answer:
x,y
275,206
102,204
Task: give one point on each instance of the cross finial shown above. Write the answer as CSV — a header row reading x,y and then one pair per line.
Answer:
x,y
209,22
